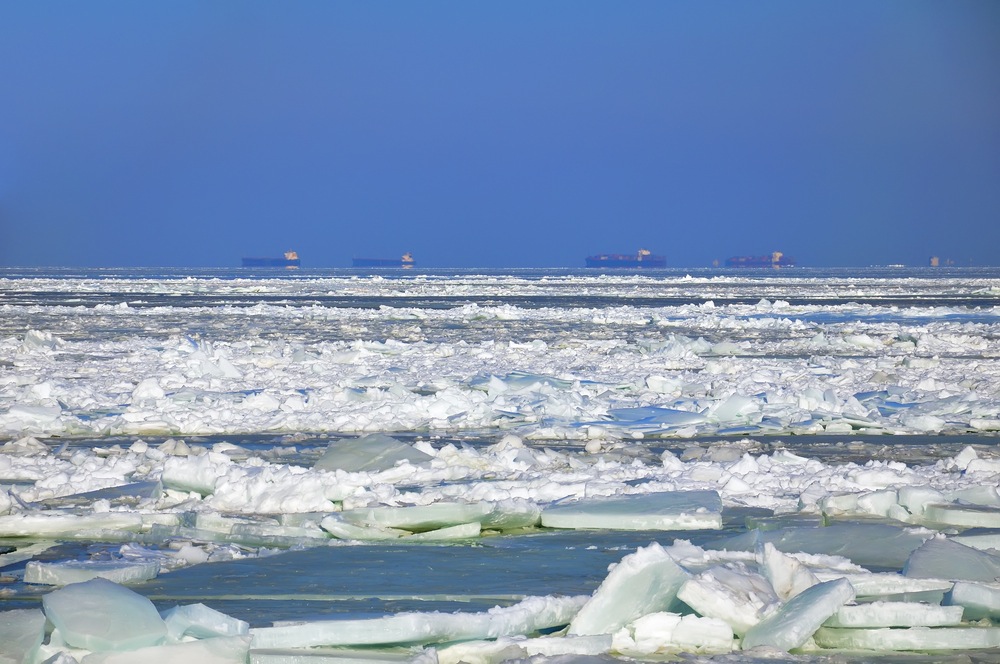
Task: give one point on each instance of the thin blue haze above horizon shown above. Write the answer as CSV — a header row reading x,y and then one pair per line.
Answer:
x,y
508,134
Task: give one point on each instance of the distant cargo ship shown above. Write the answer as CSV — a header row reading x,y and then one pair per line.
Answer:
x,y
404,261
642,259
290,261
776,259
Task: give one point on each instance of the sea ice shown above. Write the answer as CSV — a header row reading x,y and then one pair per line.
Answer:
x,y
731,593
979,600
342,529
21,633
673,510
913,638
794,622
787,575
941,558
218,650
77,571
101,615
868,544
460,532
343,656
201,622
370,453
418,518
895,614
68,526
524,618
665,632
643,582
963,516
506,649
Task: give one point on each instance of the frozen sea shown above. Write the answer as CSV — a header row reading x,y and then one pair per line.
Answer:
x,y
334,445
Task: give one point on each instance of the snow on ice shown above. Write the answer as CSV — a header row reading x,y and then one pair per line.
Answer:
x,y
461,425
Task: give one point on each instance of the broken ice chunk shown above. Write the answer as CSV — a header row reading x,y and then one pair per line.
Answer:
x,y
350,656
524,618
895,614
792,624
77,571
21,633
965,516
731,593
670,632
643,582
868,544
890,586
418,518
101,615
674,510
913,638
220,650
342,529
459,532
371,453
202,622
787,575
979,600
941,558
68,526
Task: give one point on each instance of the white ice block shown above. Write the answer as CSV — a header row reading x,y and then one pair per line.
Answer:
x,y
459,532
942,558
868,544
671,632
914,638
68,526
517,648
965,516
895,614
21,632
199,474
76,571
792,624
101,615
730,593
787,575
673,510
418,518
340,656
889,584
371,453
524,618
219,650
979,600
202,622
342,529
643,582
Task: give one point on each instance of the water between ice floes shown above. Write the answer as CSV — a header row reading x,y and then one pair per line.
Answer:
x,y
607,372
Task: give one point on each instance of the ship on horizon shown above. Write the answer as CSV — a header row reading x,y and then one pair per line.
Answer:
x,y
405,261
775,260
641,259
289,261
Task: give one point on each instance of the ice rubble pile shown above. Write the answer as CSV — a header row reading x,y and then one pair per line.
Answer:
x,y
797,581
886,379
657,600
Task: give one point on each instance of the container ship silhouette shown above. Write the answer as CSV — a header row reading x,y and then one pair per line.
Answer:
x,y
405,261
642,259
289,261
776,259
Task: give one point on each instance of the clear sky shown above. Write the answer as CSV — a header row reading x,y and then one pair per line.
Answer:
x,y
494,134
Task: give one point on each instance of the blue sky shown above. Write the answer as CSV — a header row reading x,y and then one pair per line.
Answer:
x,y
493,134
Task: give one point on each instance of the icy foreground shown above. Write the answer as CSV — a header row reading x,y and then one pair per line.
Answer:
x,y
155,431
